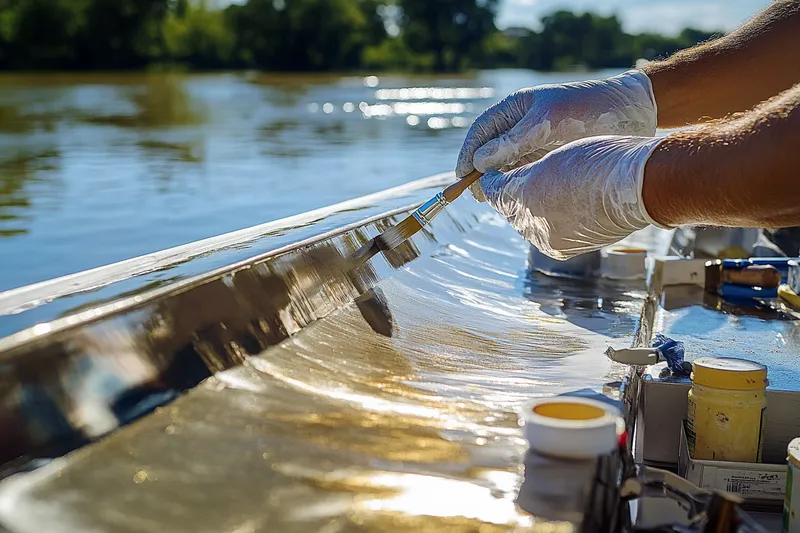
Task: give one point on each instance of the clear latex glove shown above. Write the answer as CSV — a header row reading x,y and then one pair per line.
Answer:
x,y
578,198
529,123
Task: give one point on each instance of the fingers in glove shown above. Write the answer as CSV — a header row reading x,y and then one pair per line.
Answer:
x,y
500,191
527,136
525,160
477,192
492,123
509,193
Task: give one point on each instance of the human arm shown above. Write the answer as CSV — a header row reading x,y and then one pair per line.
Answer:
x,y
743,172
711,80
730,74
740,172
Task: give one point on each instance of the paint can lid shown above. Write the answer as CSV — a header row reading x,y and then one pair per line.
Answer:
x,y
729,373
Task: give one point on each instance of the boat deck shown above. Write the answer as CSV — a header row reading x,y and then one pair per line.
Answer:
x,y
380,399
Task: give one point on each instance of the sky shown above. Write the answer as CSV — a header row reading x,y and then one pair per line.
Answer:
x,y
662,16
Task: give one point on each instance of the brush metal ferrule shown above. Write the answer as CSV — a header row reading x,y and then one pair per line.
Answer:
x,y
425,213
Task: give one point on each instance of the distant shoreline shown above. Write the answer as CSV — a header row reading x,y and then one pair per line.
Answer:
x,y
316,37
31,73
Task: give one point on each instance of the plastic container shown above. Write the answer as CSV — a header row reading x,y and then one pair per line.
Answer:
x,y
791,503
571,427
624,263
727,407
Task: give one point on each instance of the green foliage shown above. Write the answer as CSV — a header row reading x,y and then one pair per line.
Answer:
x,y
583,40
499,49
300,34
311,35
590,40
41,33
454,31
199,37
393,54
81,33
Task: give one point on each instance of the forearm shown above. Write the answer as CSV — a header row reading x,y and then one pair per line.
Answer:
x,y
741,172
733,73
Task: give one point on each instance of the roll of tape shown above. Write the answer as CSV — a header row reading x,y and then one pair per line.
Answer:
x,y
574,428
621,262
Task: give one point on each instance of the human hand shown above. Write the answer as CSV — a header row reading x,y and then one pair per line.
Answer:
x,y
529,123
578,198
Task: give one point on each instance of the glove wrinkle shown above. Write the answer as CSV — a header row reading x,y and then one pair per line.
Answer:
x,y
578,198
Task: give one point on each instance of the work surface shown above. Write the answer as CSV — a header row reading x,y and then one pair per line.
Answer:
x,y
380,399
404,421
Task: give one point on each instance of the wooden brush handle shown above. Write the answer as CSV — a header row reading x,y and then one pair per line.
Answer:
x,y
455,190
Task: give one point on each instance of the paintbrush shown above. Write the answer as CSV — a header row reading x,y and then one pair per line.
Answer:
x,y
394,237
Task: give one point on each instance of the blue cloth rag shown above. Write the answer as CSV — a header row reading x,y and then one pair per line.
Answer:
x,y
672,352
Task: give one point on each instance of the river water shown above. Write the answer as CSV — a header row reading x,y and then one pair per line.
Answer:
x,y
98,168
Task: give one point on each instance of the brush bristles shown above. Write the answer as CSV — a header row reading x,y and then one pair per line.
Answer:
x,y
365,252
394,237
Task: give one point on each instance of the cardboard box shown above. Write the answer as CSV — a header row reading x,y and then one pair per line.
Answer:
x,y
759,484
672,270
664,405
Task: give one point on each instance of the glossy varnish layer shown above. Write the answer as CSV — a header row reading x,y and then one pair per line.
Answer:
x,y
383,397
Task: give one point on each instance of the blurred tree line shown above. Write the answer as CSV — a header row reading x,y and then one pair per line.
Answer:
x,y
311,35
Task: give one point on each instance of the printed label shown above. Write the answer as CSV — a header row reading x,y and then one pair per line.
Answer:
x,y
752,484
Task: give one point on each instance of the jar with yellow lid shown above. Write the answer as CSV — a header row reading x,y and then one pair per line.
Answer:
x,y
727,406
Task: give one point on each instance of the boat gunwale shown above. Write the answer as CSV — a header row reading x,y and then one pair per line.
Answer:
x,y
28,337
21,299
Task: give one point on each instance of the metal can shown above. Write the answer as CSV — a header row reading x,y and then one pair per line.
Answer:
x,y
791,503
